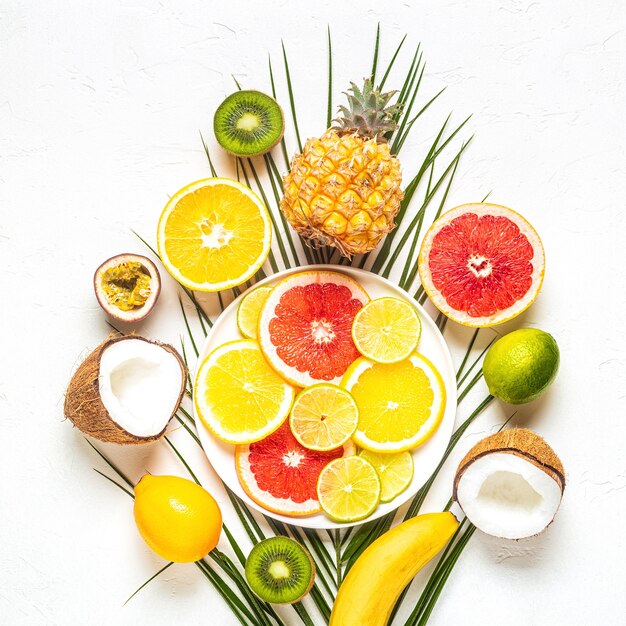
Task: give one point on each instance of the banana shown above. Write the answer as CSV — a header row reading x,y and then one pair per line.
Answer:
x,y
375,581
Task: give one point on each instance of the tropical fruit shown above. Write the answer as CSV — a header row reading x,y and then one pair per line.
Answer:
x,y
348,489
178,519
214,234
238,396
306,323
386,330
374,583
344,189
481,264
323,417
248,123
520,366
280,474
510,484
250,309
279,570
394,470
400,404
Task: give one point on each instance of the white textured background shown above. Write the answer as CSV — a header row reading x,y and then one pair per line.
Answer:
x,y
100,107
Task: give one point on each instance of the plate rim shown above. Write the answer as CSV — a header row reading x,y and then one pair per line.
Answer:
x,y
451,398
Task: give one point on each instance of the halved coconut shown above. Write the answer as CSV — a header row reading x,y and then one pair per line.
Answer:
x,y
126,390
127,286
510,485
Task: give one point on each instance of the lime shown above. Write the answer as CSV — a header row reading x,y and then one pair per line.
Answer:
x,y
348,489
394,470
386,330
520,366
250,309
323,417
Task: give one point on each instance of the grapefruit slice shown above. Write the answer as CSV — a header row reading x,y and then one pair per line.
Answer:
x,y
481,264
305,328
280,474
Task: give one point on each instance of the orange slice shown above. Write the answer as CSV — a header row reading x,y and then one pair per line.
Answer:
x,y
214,234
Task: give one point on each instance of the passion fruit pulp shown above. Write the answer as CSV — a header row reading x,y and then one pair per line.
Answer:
x,y
127,286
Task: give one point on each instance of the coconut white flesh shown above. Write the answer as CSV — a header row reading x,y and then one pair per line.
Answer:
x,y
140,385
507,496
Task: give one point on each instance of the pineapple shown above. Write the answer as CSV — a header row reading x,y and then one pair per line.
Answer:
x,y
344,189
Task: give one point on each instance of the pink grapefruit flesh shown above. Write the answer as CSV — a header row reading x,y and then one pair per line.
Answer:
x,y
305,327
481,264
280,474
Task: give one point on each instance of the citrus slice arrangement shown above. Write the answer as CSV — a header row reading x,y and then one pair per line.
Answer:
x,y
339,395
324,395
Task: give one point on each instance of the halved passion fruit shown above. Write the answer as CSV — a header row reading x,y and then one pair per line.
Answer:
x,y
127,286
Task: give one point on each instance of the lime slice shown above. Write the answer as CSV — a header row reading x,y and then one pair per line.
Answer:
x,y
323,417
249,311
348,489
394,470
400,404
386,330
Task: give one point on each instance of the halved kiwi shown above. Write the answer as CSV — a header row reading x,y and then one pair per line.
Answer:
x,y
279,570
248,123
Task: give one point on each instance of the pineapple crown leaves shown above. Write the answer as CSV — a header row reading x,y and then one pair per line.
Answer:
x,y
368,113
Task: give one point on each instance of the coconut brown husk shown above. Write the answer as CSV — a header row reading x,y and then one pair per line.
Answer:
x,y
520,442
84,407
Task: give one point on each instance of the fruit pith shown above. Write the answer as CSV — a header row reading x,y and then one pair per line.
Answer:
x,y
281,475
481,264
305,326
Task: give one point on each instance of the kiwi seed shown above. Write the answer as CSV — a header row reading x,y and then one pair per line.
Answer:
x,y
279,570
248,123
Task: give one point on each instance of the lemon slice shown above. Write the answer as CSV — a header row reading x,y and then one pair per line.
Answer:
x,y
400,404
348,489
214,234
394,470
323,417
238,396
250,309
386,330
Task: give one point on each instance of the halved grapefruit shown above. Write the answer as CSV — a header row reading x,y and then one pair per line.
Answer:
x,y
305,327
481,264
280,474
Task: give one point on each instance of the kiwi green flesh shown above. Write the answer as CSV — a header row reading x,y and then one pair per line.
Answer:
x,y
248,123
279,570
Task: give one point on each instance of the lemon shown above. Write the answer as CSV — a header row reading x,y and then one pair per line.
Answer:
x,y
178,519
238,396
520,366
323,417
386,330
250,309
348,489
400,404
394,470
214,234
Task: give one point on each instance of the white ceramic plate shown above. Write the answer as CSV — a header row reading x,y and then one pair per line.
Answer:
x,y
426,457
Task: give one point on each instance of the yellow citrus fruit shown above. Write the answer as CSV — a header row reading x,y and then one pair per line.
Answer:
x,y
214,234
348,489
250,309
238,396
386,330
400,404
178,519
323,417
394,470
